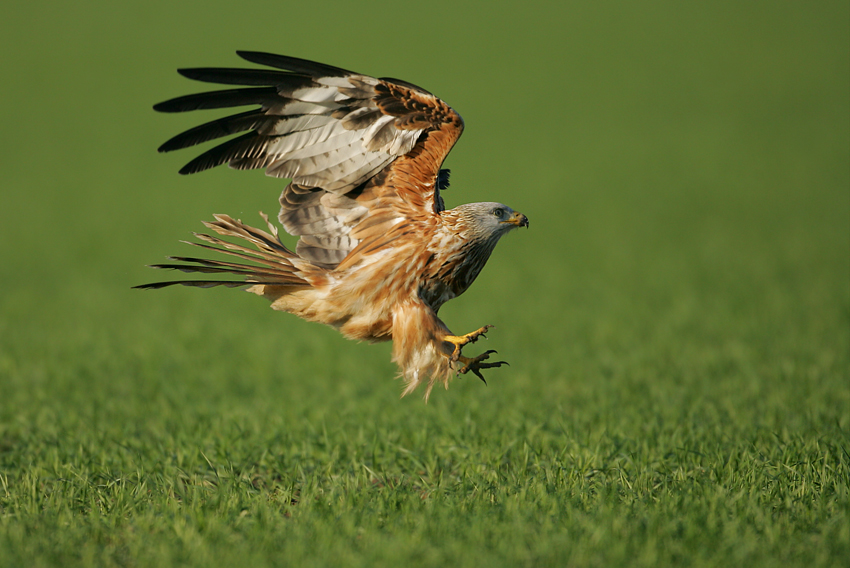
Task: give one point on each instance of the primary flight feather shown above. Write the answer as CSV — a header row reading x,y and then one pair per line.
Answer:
x,y
378,253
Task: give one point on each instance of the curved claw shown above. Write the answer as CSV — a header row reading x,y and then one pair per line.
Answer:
x,y
476,364
480,333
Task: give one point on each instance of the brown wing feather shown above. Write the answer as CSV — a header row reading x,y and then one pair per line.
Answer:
x,y
418,171
408,189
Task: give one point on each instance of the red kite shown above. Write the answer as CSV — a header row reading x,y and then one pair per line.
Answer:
x,y
378,252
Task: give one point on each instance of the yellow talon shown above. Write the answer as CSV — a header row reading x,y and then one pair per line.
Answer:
x,y
460,340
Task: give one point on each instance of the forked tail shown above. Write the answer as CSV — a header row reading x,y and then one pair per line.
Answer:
x,y
273,262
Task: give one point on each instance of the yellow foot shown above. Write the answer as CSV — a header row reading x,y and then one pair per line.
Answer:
x,y
460,340
475,364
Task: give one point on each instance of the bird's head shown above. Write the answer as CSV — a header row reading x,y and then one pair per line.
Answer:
x,y
490,220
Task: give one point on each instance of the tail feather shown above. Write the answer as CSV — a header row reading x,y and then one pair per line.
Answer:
x,y
195,283
285,271
252,274
226,225
249,254
272,260
202,269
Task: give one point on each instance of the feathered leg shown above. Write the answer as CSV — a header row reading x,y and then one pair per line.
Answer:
x,y
417,348
425,349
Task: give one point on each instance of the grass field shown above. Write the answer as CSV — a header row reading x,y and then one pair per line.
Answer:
x,y
677,318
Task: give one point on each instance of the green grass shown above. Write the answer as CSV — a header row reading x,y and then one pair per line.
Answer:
x,y
677,318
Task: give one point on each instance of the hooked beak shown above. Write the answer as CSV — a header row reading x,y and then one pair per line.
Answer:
x,y
517,219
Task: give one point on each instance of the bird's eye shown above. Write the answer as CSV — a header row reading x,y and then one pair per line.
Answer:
x,y
499,212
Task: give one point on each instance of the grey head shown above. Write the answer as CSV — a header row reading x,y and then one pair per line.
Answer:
x,y
489,221
482,225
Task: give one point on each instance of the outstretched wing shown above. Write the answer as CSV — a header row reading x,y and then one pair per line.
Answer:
x,y
330,131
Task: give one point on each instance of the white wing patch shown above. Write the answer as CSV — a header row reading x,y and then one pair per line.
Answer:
x,y
330,135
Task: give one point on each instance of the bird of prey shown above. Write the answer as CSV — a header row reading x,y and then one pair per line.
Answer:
x,y
378,253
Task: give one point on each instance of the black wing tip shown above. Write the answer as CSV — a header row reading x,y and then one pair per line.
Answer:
x,y
166,147
294,64
189,72
226,98
153,285
224,153
245,77
192,168
165,106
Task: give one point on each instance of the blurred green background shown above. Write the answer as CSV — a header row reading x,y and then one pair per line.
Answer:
x,y
688,157
685,167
